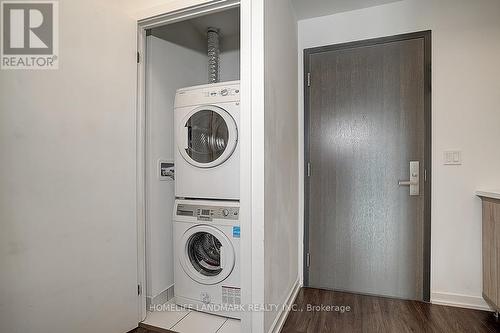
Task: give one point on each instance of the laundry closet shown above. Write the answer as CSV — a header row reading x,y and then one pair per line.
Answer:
x,y
192,164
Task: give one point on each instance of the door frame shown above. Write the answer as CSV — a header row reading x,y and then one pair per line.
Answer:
x,y
426,35
202,7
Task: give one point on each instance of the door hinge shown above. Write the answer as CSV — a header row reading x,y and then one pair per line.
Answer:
x,y
425,175
308,169
138,57
309,79
308,259
139,289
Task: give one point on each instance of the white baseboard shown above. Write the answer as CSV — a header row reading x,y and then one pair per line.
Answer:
x,y
283,314
461,301
161,298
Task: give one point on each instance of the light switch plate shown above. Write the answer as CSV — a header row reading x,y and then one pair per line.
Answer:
x,y
452,157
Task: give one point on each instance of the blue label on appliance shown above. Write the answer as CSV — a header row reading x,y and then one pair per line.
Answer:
x,y
236,232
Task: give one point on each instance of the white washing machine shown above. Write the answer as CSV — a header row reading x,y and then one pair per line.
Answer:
x,y
206,133
207,256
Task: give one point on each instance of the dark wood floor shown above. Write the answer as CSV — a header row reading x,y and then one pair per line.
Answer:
x,y
145,329
379,314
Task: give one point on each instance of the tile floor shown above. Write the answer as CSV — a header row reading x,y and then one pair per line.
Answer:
x,y
183,320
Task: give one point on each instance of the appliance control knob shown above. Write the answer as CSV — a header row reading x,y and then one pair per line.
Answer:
x,y
225,212
224,92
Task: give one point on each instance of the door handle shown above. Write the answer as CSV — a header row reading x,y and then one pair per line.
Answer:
x,y
407,183
414,182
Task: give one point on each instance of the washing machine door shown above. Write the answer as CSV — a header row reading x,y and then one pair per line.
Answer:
x,y
206,254
207,136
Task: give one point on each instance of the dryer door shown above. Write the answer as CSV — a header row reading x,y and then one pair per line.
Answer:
x,y
206,254
207,136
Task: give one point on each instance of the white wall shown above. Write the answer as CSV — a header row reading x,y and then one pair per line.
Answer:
x,y
465,116
169,67
68,243
280,156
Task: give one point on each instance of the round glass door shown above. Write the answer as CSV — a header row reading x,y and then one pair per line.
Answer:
x,y
208,255
204,253
208,136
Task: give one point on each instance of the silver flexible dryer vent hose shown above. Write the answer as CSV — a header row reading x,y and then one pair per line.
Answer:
x,y
213,55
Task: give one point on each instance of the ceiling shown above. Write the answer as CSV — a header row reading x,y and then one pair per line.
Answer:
x,y
314,8
192,33
227,21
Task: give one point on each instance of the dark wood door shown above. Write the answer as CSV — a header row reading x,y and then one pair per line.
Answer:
x,y
366,120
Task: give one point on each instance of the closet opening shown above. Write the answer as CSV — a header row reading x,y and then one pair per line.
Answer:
x,y
191,171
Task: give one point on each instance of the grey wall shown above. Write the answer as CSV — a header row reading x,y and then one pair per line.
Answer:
x,y
191,34
281,155
230,58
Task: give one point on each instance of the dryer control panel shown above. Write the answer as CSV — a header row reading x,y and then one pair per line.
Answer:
x,y
223,92
207,213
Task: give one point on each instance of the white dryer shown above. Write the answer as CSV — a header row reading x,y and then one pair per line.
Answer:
x,y
207,156
207,256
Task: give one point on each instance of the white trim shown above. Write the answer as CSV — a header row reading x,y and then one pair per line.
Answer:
x,y
257,126
141,173
458,300
177,14
162,298
284,311
245,141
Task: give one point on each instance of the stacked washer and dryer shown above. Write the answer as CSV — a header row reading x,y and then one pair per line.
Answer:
x,y
206,211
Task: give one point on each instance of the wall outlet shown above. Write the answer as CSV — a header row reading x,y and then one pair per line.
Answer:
x,y
453,157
